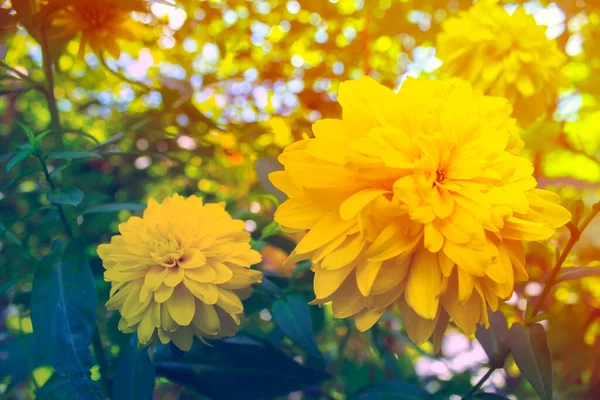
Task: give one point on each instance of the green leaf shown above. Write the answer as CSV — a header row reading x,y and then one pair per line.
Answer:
x,y
70,197
532,355
57,388
18,358
135,377
113,207
292,315
302,266
269,287
71,155
241,367
28,132
489,396
18,158
570,273
271,229
494,340
391,390
63,314
42,135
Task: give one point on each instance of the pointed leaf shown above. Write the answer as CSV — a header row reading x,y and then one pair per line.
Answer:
x,y
28,132
70,197
494,340
292,315
532,355
18,158
134,380
391,390
269,287
63,314
241,367
270,230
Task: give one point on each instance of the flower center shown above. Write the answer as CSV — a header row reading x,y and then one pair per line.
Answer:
x,y
167,251
439,176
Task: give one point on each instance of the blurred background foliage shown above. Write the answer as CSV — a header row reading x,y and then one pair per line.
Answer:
x,y
202,103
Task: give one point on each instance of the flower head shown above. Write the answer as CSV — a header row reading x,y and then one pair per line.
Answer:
x,y
503,55
101,23
414,199
180,271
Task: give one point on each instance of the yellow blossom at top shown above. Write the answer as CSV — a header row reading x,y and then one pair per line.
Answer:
x,y
415,199
504,55
101,23
180,271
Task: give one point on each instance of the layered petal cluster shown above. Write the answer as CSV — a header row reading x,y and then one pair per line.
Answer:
x,y
416,199
180,271
503,55
101,23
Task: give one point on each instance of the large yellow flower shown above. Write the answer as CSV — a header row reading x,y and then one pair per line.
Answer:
x,y
503,55
101,23
414,199
180,271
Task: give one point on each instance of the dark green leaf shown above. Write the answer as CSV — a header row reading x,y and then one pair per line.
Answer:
x,y
28,132
494,340
391,390
270,230
269,287
134,380
18,358
42,135
302,266
57,388
257,244
113,207
71,155
18,158
241,367
292,315
489,396
532,355
70,197
570,273
63,314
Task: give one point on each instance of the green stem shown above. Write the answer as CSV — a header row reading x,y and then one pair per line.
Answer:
x,y
101,357
575,235
479,384
47,60
61,210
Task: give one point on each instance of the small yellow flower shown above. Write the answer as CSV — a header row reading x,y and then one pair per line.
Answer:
x,y
101,23
504,55
415,199
180,271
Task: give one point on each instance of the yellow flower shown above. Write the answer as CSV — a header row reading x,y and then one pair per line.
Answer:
x,y
180,271
102,23
504,55
413,199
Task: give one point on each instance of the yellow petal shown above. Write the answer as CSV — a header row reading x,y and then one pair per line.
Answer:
x,y
206,318
229,302
367,318
366,273
192,258
424,284
183,338
355,203
205,274
205,292
419,329
163,293
174,276
181,306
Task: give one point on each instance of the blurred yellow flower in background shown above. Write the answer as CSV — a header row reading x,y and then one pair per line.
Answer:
x,y
504,55
415,199
101,23
180,271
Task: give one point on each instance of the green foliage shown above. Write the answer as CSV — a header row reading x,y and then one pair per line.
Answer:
x,y
530,349
241,367
63,315
291,314
134,379
392,390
